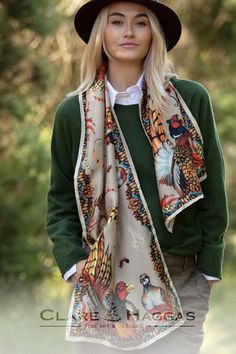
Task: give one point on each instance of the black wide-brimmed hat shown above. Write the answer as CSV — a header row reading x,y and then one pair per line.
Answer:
x,y
169,20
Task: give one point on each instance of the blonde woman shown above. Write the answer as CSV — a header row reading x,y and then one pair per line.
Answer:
x,y
137,207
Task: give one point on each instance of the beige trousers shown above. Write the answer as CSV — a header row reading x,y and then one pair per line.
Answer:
x,y
194,294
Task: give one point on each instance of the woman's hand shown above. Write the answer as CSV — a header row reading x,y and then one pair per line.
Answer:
x,y
79,266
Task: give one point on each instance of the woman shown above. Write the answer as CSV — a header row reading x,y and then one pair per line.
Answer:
x,y
137,206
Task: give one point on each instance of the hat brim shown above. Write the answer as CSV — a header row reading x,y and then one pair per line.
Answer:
x,y
169,20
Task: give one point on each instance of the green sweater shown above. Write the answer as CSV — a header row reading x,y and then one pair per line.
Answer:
x,y
198,229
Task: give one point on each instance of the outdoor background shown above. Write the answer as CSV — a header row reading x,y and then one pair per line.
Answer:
x,y
39,63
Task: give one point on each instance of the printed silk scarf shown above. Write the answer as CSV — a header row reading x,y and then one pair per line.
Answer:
x,y
125,297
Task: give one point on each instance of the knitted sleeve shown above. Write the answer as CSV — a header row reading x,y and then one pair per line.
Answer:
x,y
212,209
62,220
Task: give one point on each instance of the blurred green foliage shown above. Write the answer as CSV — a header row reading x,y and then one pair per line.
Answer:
x,y
27,76
39,57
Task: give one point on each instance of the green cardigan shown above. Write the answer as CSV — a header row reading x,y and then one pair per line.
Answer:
x,y
198,229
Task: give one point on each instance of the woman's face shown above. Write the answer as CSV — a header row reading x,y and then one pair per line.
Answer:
x,y
128,33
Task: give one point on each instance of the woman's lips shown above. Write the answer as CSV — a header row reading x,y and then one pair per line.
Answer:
x,y
128,45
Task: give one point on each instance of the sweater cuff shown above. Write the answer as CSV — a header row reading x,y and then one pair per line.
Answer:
x,y
210,259
70,272
209,277
67,257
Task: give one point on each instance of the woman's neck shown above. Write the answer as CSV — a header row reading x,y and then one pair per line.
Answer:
x,y
121,76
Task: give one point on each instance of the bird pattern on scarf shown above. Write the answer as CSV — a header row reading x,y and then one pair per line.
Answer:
x,y
104,177
184,178
178,153
154,298
95,284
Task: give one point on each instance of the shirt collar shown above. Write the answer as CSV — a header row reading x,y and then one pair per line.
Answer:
x,y
130,96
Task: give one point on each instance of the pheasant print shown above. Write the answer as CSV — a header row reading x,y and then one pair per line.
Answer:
x,y
183,170
118,293
178,155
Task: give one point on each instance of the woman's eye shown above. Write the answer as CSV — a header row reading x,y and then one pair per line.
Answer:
x,y
141,23
116,22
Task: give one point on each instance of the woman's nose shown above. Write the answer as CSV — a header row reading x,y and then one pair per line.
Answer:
x,y
129,31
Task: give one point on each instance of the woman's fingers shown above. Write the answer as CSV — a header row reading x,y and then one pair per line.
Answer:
x,y
74,278
79,267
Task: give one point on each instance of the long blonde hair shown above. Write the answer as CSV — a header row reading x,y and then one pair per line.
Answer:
x,y
157,66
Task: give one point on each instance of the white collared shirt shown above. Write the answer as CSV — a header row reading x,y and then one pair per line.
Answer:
x,y
130,96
